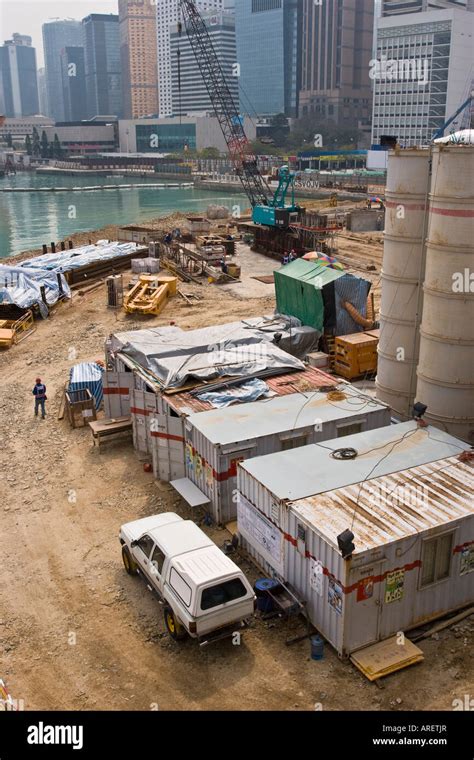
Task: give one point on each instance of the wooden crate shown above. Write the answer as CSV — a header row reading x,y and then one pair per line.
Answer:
x,y
80,407
356,355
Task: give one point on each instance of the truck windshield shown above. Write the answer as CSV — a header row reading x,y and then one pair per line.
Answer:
x,y
227,591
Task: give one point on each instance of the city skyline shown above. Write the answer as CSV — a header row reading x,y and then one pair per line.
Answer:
x,y
28,16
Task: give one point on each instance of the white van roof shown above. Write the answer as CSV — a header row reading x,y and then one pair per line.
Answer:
x,y
137,528
206,564
180,537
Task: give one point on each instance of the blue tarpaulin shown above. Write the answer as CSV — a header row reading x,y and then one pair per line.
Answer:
x,y
87,375
355,290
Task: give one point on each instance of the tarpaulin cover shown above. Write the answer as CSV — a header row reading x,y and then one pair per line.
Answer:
x,y
293,337
21,286
299,287
64,261
355,290
87,375
250,390
174,356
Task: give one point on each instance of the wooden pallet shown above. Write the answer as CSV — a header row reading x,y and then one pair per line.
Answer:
x,y
385,657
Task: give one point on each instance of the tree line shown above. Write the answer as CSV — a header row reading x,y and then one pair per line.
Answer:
x,y
41,147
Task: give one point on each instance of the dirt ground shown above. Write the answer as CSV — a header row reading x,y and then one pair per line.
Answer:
x,y
75,631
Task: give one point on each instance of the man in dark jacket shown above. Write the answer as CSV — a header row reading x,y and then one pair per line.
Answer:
x,y
39,392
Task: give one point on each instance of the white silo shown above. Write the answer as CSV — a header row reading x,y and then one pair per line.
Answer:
x,y
446,359
402,275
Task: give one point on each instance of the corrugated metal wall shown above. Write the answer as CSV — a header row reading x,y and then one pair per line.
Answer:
x,y
417,605
117,390
202,466
318,573
167,446
143,405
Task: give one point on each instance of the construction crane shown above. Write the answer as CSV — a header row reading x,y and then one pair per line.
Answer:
x,y
440,132
267,209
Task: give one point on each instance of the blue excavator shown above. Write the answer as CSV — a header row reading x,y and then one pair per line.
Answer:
x,y
270,209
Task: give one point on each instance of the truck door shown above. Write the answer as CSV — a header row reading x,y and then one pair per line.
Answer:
x,y
157,560
141,553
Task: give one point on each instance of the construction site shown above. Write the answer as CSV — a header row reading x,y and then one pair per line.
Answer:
x,y
267,417
65,497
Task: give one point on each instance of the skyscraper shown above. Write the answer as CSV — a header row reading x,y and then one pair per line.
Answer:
x,y
56,36
74,83
167,14
18,79
189,92
422,73
337,48
102,64
42,95
138,50
268,53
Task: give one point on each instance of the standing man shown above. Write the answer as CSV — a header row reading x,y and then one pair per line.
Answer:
x,y
39,392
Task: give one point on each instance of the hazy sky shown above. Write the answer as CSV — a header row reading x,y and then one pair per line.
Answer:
x,y
28,16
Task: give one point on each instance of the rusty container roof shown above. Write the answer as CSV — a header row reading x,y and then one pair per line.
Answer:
x,y
392,507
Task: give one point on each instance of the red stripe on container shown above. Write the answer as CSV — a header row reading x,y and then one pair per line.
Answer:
x,y
461,547
168,437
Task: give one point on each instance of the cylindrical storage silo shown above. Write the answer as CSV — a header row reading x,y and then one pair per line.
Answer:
x,y
402,275
446,362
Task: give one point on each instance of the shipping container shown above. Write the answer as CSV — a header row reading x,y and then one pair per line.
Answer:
x,y
412,530
218,440
158,417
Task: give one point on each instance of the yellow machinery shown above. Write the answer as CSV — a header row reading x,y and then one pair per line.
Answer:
x,y
14,330
150,294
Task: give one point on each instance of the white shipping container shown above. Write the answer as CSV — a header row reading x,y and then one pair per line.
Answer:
x,y
407,523
217,441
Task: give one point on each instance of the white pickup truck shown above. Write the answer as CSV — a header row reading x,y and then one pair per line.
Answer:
x,y
205,594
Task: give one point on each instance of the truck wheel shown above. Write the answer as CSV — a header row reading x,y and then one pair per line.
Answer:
x,y
173,626
128,562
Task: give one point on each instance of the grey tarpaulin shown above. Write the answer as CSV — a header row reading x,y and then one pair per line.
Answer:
x,y
174,355
296,339
21,286
64,261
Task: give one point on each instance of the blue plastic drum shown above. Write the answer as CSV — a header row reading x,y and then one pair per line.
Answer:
x,y
264,601
317,647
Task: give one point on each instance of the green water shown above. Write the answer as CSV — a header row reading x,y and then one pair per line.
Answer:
x,y
27,220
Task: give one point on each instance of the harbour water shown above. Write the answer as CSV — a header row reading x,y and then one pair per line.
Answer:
x,y
29,219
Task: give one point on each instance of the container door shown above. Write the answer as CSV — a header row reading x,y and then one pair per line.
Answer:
x,y
362,613
117,390
167,436
176,447
143,405
227,488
